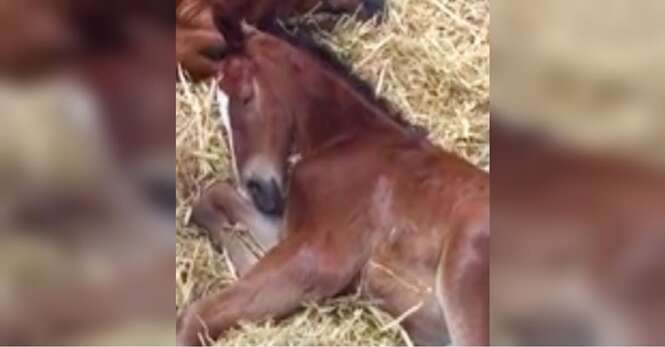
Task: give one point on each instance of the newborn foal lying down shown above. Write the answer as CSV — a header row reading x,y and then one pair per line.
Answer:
x,y
371,205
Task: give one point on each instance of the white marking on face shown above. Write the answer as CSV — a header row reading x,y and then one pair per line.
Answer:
x,y
438,283
225,120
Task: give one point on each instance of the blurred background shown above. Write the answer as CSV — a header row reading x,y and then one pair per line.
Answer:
x,y
87,241
578,172
87,172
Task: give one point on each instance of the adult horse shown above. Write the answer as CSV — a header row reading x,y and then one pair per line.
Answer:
x,y
371,205
199,45
583,266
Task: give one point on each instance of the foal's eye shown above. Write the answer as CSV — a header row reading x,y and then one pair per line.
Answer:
x,y
246,100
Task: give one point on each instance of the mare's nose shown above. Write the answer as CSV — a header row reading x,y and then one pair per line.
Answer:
x,y
215,52
373,7
161,193
266,196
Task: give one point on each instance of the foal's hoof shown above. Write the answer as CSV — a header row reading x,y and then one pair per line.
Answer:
x,y
212,212
208,216
186,332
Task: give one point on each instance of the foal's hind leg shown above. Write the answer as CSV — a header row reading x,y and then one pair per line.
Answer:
x,y
222,205
463,284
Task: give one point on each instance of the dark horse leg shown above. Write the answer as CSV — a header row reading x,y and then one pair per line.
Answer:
x,y
222,205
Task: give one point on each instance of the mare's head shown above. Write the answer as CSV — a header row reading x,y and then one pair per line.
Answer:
x,y
364,8
199,45
281,94
259,11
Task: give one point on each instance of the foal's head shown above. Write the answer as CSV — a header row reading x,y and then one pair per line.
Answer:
x,y
259,120
259,131
280,94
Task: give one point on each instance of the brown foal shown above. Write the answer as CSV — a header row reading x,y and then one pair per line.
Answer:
x,y
372,205
199,45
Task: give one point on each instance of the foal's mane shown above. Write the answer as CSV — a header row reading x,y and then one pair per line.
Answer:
x,y
325,54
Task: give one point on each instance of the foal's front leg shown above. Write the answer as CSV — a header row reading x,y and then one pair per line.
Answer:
x,y
289,274
222,205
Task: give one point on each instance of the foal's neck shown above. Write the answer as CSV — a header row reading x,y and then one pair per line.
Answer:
x,y
338,112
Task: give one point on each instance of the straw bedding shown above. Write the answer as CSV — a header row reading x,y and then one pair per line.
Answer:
x,y
430,59
588,73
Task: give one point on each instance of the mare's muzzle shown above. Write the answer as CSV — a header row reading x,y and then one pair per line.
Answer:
x,y
267,196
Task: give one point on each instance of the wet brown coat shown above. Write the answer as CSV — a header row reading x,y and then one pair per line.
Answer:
x,y
371,206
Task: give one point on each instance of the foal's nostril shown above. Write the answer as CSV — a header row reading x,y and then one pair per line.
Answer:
x,y
266,196
254,188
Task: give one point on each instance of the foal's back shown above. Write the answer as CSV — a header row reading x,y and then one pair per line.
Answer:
x,y
392,199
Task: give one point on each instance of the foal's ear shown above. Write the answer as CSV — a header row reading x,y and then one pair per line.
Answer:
x,y
230,26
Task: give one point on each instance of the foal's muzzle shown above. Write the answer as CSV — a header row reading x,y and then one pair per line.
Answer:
x,y
266,195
